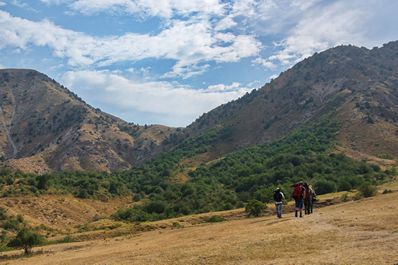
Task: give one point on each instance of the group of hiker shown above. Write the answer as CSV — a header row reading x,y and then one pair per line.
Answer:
x,y
303,195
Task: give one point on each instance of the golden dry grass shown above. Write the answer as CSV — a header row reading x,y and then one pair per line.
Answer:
x,y
60,212
356,232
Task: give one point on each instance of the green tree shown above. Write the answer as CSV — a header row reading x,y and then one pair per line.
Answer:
x,y
367,190
324,186
26,239
42,182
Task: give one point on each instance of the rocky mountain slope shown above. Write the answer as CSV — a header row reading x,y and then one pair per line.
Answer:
x,y
44,126
357,85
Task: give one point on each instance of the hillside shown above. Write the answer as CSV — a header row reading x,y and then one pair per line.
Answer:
x,y
358,86
44,126
355,232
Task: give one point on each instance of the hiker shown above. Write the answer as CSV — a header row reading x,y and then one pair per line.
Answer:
x,y
278,198
309,198
298,196
313,197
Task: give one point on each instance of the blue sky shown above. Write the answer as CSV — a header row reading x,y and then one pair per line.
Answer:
x,y
169,61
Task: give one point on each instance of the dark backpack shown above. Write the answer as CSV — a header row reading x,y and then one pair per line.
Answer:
x,y
298,192
277,196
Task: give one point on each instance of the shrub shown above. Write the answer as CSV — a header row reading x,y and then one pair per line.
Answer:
x,y
215,219
155,207
255,208
177,225
344,185
344,197
367,190
12,224
42,182
132,214
3,214
324,186
386,191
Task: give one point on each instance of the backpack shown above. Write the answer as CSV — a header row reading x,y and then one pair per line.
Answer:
x,y
277,196
298,192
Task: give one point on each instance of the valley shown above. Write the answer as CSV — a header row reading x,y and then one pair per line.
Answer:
x,y
99,190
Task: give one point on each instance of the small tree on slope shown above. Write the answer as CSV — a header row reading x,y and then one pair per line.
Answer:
x,y
26,239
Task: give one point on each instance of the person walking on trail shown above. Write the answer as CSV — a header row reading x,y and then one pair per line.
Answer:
x,y
278,198
298,196
309,197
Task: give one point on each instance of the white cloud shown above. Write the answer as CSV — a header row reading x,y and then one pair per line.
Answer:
x,y
222,87
266,63
226,23
2,3
313,26
161,8
191,43
321,29
165,102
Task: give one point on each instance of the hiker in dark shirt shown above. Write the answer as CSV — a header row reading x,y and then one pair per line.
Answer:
x,y
278,198
298,196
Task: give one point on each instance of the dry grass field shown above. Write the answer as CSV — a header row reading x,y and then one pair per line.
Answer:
x,y
354,232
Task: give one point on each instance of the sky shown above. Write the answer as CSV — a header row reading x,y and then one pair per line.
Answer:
x,y
169,61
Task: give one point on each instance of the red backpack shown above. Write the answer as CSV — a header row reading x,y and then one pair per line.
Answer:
x,y
298,191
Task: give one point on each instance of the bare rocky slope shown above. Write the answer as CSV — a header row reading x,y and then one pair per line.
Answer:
x,y
358,86
44,126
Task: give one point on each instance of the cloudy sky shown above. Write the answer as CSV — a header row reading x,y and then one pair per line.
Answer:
x,y
169,61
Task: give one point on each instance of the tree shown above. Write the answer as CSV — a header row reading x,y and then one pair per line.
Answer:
x,y
42,182
255,208
26,239
367,190
324,186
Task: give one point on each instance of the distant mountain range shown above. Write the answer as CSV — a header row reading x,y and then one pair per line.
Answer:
x,y
44,126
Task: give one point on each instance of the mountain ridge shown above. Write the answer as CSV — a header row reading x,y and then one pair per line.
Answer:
x,y
325,82
47,127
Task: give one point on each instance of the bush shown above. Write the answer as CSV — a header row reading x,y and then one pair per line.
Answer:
x,y
132,214
324,186
255,208
155,207
344,185
344,197
386,191
12,224
26,239
215,219
42,182
3,214
367,190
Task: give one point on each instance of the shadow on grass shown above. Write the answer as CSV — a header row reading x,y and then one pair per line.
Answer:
x,y
22,255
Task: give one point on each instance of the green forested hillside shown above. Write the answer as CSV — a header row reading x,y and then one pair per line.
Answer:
x,y
305,154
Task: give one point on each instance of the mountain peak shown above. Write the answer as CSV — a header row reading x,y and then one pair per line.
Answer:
x,y
352,83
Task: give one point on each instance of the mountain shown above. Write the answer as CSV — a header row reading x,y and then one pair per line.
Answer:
x,y
44,126
357,86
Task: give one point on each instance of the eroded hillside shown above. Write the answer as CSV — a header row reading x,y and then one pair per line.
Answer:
x,y
44,126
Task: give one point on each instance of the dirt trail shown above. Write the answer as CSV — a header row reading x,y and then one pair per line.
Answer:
x,y
347,233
